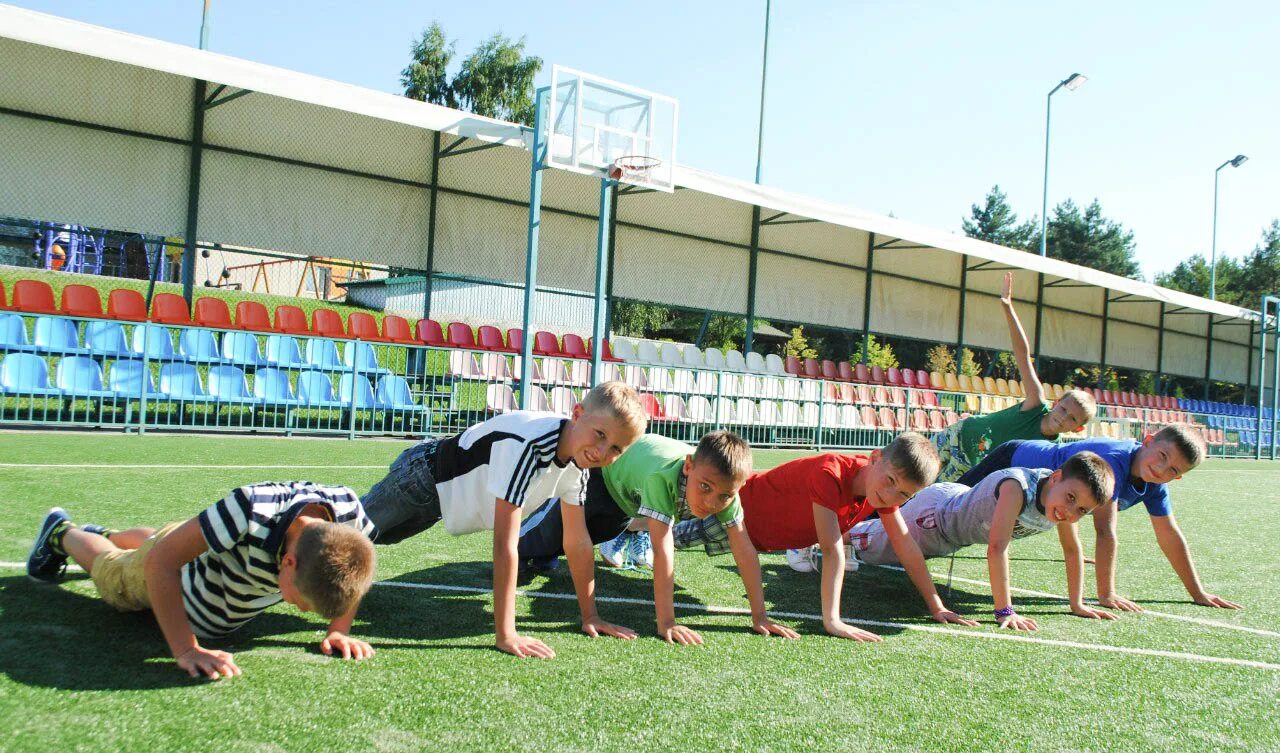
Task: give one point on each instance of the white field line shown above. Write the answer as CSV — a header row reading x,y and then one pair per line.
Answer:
x,y
1059,597
122,466
937,629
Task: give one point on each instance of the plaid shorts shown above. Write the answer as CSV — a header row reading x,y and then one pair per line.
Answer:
x,y
709,532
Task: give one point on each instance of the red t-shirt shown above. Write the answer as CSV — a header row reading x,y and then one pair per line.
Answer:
x,y
777,504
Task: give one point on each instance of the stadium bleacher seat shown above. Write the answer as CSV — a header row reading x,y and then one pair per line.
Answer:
x,y
429,332
126,304
242,348
127,379
272,387
624,349
693,358
515,339
489,338
315,390
893,375
26,374
168,308
154,341
291,320
56,335
78,376
81,300
869,417
538,399
199,346
323,355
229,385
363,358
461,336
33,297
356,391
181,381
499,399
608,355
545,344
573,346
700,410
793,366
327,323
4,302
756,363
951,382
392,393
989,386
212,312
922,378
252,316
105,338
812,369
13,333
767,413
877,375
909,378
669,354
283,352
363,326
734,361
829,370
714,359
396,329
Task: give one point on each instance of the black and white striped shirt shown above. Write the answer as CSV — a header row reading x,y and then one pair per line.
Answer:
x,y
239,576
511,457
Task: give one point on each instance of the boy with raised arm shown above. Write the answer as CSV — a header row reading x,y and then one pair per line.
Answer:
x,y
964,443
1009,504
1142,471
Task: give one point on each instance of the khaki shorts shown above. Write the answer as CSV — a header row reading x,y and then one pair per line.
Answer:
x,y
120,575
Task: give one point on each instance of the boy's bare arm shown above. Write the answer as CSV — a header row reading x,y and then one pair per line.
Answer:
x,y
1008,505
506,537
912,560
163,571
339,641
1069,537
582,566
1021,349
664,578
1104,553
748,562
1175,549
832,543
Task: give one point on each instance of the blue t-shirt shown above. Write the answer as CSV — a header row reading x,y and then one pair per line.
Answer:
x,y
1118,453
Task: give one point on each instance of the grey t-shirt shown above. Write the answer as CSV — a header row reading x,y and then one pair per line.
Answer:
x,y
965,518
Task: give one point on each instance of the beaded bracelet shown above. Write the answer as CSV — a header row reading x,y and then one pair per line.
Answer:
x,y
1006,612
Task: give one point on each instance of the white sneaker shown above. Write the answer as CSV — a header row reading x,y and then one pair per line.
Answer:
x,y
614,551
801,560
640,549
851,561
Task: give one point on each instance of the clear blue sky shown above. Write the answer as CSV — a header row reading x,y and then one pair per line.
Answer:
x,y
914,108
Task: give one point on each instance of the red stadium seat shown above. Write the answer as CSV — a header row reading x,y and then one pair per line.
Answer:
x,y
81,300
291,320
922,378
812,369
461,336
608,353
429,333
33,297
877,375
893,376
546,344
652,407
490,338
212,312
909,378
929,398
829,371
861,373
515,339
327,323
253,317
844,371
793,366
364,327
126,304
168,308
396,329
3,303
574,347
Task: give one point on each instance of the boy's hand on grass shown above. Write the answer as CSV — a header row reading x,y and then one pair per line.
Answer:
x,y
525,647
947,617
1120,604
766,626
215,665
338,643
1018,622
1209,600
1080,610
673,633
596,627
844,630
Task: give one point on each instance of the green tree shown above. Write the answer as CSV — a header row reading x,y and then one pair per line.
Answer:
x,y
1091,240
968,363
941,359
878,354
1191,275
495,80
798,345
637,319
1005,366
995,222
1259,271
427,78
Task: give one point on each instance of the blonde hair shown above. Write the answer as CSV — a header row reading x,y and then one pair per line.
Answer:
x,y
726,452
619,400
336,565
1083,399
914,456
1189,443
1095,473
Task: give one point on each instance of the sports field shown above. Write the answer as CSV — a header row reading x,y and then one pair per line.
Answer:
x,y
75,675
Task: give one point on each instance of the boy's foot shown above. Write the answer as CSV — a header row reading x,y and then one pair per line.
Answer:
x,y
43,563
640,549
614,551
801,560
851,561
539,565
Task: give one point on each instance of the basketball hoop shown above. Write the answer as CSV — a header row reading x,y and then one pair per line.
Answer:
x,y
633,168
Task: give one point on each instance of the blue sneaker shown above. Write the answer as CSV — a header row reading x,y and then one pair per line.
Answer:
x,y
614,551
539,565
44,564
640,550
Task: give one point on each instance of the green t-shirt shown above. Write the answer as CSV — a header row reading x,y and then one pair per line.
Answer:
x,y
646,480
965,443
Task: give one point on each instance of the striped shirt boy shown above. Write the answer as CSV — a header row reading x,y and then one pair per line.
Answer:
x,y
238,576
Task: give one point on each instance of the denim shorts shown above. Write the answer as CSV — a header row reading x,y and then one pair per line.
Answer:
x,y
406,502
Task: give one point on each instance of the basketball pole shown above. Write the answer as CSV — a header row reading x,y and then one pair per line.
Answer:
x,y
607,186
537,161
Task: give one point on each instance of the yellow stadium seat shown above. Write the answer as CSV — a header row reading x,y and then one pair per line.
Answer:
x,y
952,382
989,385
1015,388
973,404
965,383
936,380
1002,387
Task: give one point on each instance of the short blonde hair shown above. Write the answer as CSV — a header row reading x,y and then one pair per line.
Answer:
x,y
619,400
336,565
914,456
1084,400
726,452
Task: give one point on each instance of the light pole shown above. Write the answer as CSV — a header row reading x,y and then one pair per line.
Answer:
x,y
764,73
1235,161
204,26
1072,82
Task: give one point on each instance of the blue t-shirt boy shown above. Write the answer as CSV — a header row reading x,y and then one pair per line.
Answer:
x,y
1118,453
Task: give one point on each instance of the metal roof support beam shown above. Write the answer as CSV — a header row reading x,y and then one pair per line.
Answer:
x,y
213,101
1065,283
896,244
1102,362
753,267
866,296
193,191
1160,351
991,266
452,149
1039,312
431,223
1208,357
964,290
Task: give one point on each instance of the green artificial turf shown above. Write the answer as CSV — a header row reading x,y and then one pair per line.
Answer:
x,y
75,675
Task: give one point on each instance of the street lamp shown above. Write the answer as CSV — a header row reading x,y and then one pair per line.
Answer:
x,y
1071,83
1235,161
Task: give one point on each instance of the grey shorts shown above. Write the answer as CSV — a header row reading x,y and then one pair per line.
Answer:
x,y
871,543
406,502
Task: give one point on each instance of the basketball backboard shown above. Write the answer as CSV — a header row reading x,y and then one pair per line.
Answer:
x,y
594,122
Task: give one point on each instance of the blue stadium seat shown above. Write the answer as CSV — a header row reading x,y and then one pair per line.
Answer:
x,y
129,378
283,351
273,388
228,385
362,397
315,390
158,342
181,381
393,393
56,335
105,338
323,354
78,376
26,374
362,357
13,333
241,348
199,345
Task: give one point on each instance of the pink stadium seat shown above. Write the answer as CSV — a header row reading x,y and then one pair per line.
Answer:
x,y
929,398
33,297
252,316
396,329
877,375
909,378
861,373
126,304
546,344
829,371
79,300
461,336
812,369
936,421
893,376
574,347
869,417
897,396
793,366
863,394
364,327
844,371
919,420
168,308
887,419
430,333
879,395
951,417
922,379
212,312
291,320
490,338
327,323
